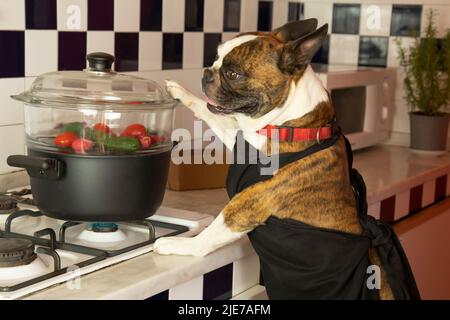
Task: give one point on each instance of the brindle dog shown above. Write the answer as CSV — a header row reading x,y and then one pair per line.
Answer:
x,y
260,79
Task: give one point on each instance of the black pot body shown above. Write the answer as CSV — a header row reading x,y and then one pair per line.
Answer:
x,y
116,188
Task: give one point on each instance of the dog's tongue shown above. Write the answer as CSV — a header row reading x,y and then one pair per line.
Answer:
x,y
211,102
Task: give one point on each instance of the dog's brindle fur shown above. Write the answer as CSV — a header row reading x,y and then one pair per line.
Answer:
x,y
315,190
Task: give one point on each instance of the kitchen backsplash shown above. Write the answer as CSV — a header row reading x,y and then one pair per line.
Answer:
x,y
177,38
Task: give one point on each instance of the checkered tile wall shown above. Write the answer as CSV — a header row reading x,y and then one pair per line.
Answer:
x,y
43,35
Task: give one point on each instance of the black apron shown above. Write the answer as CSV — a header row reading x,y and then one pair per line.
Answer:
x,y
299,261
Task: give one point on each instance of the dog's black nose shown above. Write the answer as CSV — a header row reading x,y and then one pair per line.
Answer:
x,y
208,76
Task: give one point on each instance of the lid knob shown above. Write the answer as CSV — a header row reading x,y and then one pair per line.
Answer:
x,y
100,61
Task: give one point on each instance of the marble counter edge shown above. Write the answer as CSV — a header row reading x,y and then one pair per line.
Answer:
x,y
145,275
403,185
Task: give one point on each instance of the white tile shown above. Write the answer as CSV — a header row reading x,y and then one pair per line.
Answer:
x,y
173,16
245,274
228,35
428,193
193,50
12,14
100,41
441,18
401,204
11,111
280,13
72,15
249,15
12,141
392,59
344,49
213,18
28,82
322,11
127,15
375,20
374,210
191,290
150,51
41,51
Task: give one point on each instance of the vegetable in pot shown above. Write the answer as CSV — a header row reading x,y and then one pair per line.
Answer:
x,y
135,130
81,146
75,127
65,139
124,144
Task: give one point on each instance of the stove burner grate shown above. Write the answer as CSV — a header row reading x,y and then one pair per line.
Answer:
x,y
50,245
8,205
16,252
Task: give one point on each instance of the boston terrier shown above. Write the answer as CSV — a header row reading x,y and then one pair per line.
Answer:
x,y
258,82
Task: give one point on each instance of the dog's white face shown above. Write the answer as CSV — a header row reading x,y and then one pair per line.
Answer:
x,y
253,73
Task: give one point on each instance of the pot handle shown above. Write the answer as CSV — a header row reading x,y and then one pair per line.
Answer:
x,y
44,168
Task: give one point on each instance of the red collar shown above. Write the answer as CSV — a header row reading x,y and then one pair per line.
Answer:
x,y
297,134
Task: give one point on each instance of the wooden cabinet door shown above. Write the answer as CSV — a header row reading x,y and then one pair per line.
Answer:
x,y
426,240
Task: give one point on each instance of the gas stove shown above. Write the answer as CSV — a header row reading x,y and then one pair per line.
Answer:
x,y
37,251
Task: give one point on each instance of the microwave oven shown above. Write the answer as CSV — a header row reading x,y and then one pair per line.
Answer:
x,y
363,99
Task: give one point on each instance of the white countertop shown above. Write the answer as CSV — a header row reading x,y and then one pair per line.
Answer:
x,y
386,170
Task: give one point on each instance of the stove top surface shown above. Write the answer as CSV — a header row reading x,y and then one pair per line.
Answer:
x,y
37,251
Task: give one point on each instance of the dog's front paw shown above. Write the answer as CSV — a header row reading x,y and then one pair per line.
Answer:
x,y
178,246
180,93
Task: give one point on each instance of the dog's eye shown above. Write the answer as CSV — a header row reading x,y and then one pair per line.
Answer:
x,y
232,75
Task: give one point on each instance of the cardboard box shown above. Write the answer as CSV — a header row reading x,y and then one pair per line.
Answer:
x,y
196,176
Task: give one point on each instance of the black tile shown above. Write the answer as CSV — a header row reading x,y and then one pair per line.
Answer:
x,y
218,284
295,11
232,15
322,55
71,50
151,15
265,12
160,296
405,20
193,15
126,50
212,41
12,54
346,18
172,51
40,14
373,51
100,14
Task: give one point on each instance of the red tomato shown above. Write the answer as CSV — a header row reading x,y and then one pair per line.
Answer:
x,y
65,139
102,128
146,141
135,130
82,145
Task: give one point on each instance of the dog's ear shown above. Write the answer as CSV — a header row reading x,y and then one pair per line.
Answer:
x,y
296,55
295,29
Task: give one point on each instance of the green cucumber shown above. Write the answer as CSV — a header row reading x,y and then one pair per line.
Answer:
x,y
75,127
125,144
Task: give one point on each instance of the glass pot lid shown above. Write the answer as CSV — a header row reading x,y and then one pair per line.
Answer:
x,y
97,87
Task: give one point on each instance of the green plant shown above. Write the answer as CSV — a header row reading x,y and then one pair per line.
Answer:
x,y
426,65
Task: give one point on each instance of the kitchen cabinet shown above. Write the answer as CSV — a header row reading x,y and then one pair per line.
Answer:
x,y
425,237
